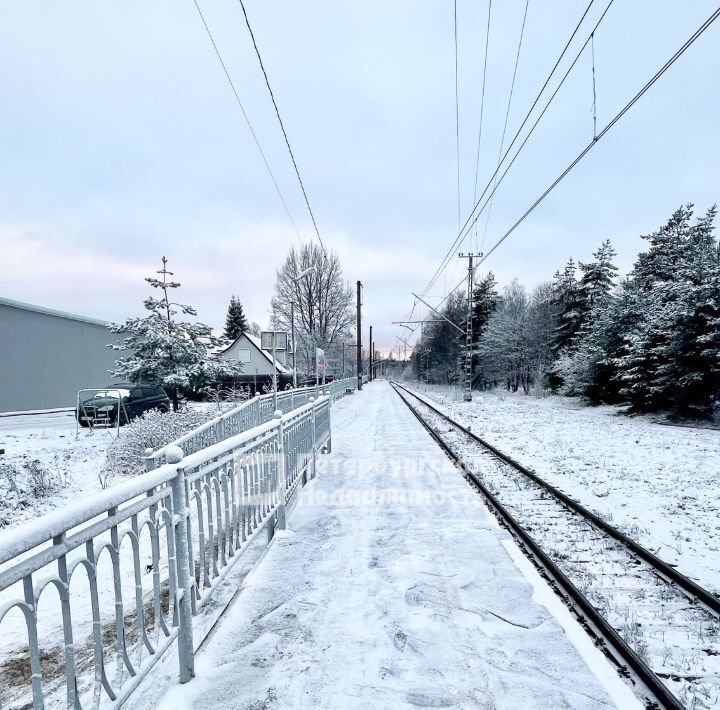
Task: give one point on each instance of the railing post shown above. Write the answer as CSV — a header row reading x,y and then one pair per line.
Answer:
x,y
281,474
70,677
33,646
257,408
314,462
149,463
181,512
328,446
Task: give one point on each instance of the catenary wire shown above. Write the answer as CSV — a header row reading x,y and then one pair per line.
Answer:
x,y
247,120
507,112
482,104
594,104
457,116
499,181
691,40
544,86
282,125
463,232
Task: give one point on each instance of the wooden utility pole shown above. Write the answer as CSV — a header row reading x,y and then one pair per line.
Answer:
x,y
467,397
359,336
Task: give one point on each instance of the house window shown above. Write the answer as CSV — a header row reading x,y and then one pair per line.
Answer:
x,y
244,355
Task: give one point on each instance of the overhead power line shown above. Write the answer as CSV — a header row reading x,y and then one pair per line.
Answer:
x,y
282,126
594,105
463,231
457,116
613,122
482,101
498,182
507,112
247,120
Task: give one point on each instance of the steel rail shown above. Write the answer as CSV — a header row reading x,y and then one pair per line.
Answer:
x,y
691,589
658,694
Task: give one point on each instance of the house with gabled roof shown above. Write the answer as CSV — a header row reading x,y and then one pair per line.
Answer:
x,y
257,365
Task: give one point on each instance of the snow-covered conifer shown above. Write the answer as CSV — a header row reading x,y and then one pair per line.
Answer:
x,y
235,321
173,354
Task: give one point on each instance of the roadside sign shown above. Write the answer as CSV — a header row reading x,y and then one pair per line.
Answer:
x,y
280,337
320,361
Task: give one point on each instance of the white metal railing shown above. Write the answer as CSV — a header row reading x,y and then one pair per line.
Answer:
x,y
246,415
133,565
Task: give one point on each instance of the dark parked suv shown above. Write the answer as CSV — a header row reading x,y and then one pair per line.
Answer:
x,y
100,408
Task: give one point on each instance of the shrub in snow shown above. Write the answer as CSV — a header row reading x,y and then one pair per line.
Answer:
x,y
224,396
151,430
22,485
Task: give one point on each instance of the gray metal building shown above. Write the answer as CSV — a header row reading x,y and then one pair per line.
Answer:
x,y
46,356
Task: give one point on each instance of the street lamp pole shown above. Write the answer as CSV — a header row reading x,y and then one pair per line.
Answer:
x,y
292,339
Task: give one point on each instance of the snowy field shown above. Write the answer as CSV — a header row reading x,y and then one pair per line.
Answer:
x,y
74,461
394,587
50,439
658,483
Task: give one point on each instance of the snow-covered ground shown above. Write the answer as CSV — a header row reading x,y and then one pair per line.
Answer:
x,y
394,587
50,439
656,482
75,460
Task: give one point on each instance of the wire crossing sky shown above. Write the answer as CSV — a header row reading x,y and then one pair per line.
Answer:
x,y
476,201
282,125
247,120
686,45
122,143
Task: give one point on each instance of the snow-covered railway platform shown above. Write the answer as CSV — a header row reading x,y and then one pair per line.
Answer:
x,y
394,587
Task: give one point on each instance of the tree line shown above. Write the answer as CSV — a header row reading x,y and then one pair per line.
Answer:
x,y
184,356
650,340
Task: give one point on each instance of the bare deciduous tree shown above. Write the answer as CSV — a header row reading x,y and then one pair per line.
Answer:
x,y
324,313
516,348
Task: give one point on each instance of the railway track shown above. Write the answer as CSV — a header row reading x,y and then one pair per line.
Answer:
x,y
660,628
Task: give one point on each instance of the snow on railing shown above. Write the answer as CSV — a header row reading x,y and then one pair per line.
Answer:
x,y
132,566
246,415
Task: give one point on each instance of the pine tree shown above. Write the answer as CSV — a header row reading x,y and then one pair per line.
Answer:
x,y
582,367
598,277
587,370
235,322
698,345
485,299
440,349
569,305
645,359
669,357
166,352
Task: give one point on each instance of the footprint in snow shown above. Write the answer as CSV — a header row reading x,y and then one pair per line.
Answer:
x,y
400,640
429,698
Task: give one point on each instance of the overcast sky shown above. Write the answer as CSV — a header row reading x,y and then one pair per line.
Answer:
x,y
121,142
